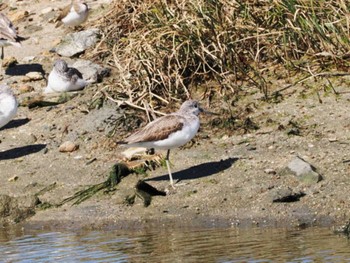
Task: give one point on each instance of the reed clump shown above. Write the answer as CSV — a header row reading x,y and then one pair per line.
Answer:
x,y
163,49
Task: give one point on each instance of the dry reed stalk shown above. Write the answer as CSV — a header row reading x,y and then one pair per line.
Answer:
x,y
162,49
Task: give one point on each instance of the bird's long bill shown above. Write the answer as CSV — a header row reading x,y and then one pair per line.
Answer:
x,y
207,112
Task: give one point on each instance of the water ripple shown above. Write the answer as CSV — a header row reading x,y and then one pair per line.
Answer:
x,y
177,245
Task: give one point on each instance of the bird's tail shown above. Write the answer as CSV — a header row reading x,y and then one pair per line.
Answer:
x,y
19,39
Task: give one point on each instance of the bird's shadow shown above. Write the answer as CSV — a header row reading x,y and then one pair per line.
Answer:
x,y
198,171
23,69
21,151
15,123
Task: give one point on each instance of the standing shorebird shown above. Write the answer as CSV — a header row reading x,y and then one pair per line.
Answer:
x,y
8,105
74,14
8,35
169,131
63,78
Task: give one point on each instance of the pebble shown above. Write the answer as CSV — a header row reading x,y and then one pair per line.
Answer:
x,y
9,61
225,137
68,146
33,76
270,171
33,139
28,59
46,10
18,16
25,88
332,139
13,178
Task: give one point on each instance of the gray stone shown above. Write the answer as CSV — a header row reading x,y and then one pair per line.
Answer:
x,y
30,29
304,171
76,43
91,72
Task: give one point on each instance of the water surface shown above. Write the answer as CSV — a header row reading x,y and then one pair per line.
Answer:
x,y
175,245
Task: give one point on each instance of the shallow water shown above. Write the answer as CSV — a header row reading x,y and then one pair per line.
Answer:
x,y
175,245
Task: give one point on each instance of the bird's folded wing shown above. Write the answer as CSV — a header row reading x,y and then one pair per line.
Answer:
x,y
158,129
6,30
64,12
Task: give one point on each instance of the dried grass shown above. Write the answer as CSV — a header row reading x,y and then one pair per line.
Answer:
x,y
163,49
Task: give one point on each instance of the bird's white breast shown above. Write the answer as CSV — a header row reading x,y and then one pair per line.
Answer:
x,y
4,43
56,83
8,108
74,19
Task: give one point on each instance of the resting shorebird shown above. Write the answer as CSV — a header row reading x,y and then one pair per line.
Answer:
x,y
8,35
63,78
8,105
74,14
169,131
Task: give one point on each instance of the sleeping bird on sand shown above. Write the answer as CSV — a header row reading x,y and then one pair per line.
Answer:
x,y
63,78
74,14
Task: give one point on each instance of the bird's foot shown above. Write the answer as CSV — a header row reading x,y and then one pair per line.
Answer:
x,y
170,190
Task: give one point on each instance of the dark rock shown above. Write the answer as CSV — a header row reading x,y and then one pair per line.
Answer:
x,y
145,191
16,209
285,195
251,148
5,205
344,229
294,131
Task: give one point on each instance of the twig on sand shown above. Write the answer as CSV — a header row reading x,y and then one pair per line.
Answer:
x,y
122,102
322,74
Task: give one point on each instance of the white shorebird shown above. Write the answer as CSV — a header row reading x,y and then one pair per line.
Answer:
x,y
169,131
8,105
63,78
74,14
8,35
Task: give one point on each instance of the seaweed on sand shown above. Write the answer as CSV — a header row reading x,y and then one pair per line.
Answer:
x,y
117,172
